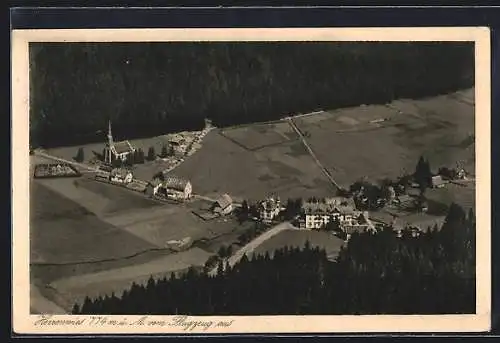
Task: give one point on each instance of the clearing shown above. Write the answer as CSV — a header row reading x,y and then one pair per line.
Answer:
x,y
297,238
353,143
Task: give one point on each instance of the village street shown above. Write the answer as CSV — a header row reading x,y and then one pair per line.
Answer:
x,y
311,152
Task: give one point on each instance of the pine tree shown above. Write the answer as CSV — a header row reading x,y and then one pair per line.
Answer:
x,y
80,155
140,156
164,151
151,154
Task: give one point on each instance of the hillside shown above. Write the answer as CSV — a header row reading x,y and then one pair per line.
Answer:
x,y
149,89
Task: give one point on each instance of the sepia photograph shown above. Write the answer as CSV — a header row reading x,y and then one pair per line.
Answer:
x,y
253,177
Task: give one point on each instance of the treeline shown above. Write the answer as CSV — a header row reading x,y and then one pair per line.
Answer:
x,y
153,88
433,273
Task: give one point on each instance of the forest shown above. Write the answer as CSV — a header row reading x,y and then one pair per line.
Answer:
x,y
149,89
433,273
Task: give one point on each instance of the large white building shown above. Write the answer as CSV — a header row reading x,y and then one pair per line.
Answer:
x,y
317,215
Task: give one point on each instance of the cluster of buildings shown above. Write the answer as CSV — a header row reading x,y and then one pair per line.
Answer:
x,y
48,170
342,211
182,144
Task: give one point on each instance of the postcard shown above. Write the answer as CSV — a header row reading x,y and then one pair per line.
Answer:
x,y
222,181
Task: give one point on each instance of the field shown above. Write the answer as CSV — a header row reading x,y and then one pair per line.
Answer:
x,y
63,231
116,280
297,238
84,232
222,166
352,146
258,136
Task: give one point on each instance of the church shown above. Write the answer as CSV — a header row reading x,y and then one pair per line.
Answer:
x,y
116,150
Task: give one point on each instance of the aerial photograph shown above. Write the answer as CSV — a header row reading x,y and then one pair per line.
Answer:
x,y
252,178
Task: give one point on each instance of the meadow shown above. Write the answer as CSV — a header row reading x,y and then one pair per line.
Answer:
x,y
352,145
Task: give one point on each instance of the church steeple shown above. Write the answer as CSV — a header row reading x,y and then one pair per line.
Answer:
x,y
110,135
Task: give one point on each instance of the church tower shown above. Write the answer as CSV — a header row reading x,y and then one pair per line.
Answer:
x,y
109,146
110,135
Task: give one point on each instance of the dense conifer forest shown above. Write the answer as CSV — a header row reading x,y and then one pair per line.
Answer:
x,y
375,274
149,89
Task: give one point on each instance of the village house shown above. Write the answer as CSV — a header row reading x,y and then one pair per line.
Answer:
x,y
116,150
437,181
269,209
172,187
121,175
178,142
223,205
462,174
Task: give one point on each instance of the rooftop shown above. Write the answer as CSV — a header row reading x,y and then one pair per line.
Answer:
x,y
120,172
224,201
123,147
175,182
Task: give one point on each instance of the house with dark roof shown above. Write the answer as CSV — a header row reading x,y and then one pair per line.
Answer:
x,y
175,187
223,205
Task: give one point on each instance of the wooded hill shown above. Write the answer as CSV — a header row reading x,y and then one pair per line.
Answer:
x,y
376,274
149,89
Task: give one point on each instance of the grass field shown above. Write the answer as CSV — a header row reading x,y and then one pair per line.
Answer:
x,y
63,231
297,238
351,146
116,280
258,136
83,227
223,166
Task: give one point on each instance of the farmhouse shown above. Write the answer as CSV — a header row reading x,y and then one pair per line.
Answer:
x,y
121,175
223,205
116,150
438,181
269,209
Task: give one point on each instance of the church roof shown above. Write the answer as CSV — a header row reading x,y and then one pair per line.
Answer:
x,y
123,147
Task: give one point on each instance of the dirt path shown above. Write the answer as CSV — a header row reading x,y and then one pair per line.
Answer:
x,y
313,155
252,245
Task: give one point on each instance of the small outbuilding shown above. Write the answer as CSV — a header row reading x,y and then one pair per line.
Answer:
x,y
223,205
